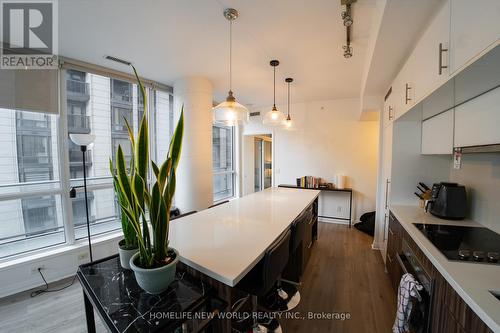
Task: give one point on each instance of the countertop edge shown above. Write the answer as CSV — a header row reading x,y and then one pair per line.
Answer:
x,y
233,281
412,230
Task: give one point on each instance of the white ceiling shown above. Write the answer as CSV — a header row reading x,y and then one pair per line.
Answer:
x,y
402,24
167,40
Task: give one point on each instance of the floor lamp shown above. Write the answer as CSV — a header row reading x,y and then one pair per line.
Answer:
x,y
84,141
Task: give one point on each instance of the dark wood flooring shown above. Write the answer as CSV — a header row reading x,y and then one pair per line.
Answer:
x,y
344,275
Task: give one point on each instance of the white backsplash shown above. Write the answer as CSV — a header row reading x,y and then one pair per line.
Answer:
x,y
480,173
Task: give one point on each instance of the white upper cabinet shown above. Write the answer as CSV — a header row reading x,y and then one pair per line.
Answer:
x,y
440,100
437,134
390,107
429,60
481,76
426,67
476,121
475,25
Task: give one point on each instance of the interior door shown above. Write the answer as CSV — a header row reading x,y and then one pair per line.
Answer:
x,y
263,156
259,171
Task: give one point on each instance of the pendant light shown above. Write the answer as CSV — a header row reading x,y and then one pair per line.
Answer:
x,y
274,117
230,112
288,121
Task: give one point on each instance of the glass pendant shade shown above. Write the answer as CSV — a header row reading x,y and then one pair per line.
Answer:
x,y
288,123
274,117
230,112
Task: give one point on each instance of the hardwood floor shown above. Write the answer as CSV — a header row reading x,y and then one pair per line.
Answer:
x,y
344,275
61,311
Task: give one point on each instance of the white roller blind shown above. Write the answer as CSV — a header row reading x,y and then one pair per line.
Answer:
x,y
29,90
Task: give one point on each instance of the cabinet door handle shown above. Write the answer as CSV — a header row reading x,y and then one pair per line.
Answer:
x,y
441,66
407,98
390,231
387,182
391,116
385,223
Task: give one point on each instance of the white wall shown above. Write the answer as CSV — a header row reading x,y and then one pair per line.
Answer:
x,y
248,164
327,139
480,173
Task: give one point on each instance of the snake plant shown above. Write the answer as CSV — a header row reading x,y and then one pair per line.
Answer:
x,y
146,204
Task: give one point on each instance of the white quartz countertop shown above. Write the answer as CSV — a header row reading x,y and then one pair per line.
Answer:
x,y
225,242
472,281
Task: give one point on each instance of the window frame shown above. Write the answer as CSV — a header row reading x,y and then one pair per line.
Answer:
x,y
58,187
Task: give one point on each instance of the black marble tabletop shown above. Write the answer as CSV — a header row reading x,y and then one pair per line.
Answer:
x,y
125,307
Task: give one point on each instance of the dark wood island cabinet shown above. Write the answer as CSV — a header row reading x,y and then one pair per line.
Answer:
x,y
448,311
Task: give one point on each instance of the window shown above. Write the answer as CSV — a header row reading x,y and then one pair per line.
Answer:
x,y
32,201
29,162
111,102
223,162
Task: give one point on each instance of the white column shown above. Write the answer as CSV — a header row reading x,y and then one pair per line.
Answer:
x,y
194,173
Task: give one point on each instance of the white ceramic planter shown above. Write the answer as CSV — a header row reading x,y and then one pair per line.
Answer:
x,y
125,255
155,280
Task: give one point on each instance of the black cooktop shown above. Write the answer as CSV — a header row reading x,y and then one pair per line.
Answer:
x,y
472,244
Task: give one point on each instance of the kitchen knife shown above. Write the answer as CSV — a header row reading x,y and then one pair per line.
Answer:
x,y
424,186
419,196
420,189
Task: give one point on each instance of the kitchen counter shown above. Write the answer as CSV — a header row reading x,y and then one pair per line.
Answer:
x,y
472,281
225,242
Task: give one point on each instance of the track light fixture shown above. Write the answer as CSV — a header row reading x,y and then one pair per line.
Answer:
x,y
347,21
346,16
347,51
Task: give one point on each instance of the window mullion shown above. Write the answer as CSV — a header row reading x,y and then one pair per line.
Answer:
x,y
64,174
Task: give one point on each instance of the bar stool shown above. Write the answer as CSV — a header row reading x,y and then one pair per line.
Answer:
x,y
263,277
182,215
286,296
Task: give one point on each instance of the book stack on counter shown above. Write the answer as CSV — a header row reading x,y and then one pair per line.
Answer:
x,y
308,182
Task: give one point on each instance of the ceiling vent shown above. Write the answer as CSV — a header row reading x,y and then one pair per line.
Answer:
x,y
254,114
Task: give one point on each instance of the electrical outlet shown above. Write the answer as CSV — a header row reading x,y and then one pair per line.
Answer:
x,y
339,209
34,269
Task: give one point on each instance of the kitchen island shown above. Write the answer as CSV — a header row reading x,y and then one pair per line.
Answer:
x,y
225,242
220,245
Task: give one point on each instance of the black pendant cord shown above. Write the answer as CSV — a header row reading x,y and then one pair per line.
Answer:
x,y
230,55
288,111
274,87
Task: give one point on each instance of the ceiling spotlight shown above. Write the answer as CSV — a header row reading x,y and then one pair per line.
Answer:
x,y
347,51
346,16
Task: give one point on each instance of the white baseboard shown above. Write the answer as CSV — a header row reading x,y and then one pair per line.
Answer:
x,y
336,221
21,274
331,220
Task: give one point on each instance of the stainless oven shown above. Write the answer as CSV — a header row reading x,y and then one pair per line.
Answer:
x,y
420,317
